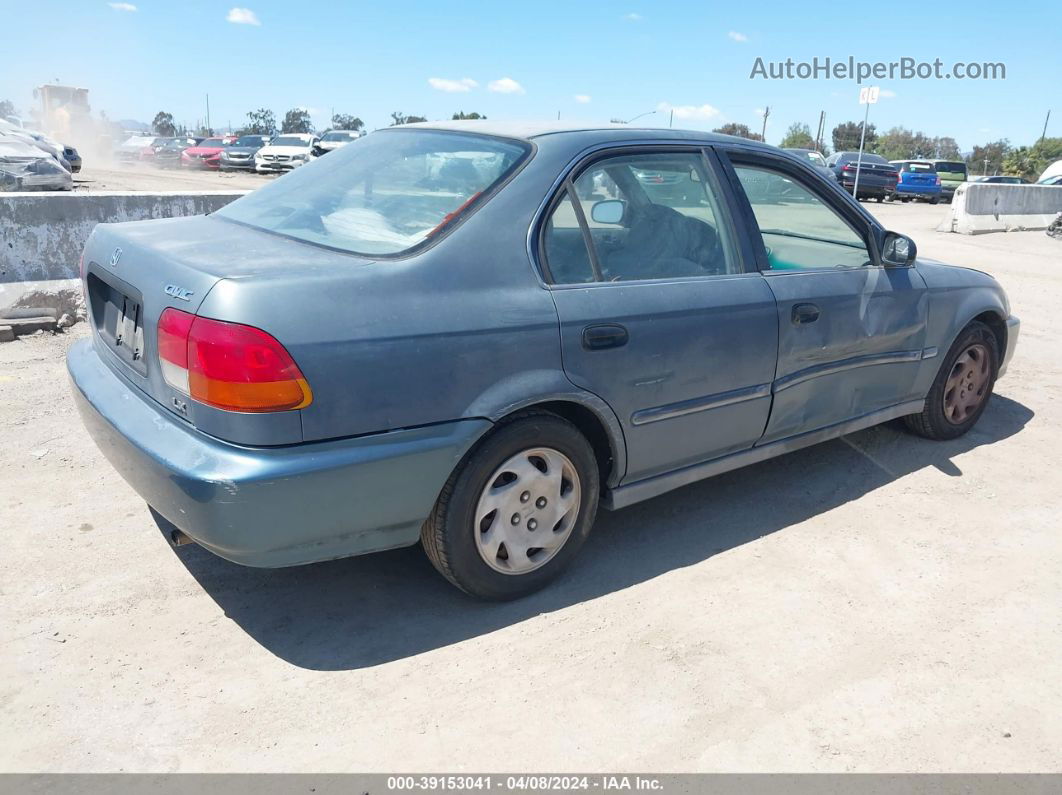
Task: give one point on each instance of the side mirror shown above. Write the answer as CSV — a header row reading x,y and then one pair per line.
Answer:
x,y
899,251
610,211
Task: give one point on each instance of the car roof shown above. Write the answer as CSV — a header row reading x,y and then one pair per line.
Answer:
x,y
528,130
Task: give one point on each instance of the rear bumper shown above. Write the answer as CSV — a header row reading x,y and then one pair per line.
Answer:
x,y
917,190
1013,329
278,506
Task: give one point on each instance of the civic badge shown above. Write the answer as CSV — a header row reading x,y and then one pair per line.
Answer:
x,y
117,255
180,293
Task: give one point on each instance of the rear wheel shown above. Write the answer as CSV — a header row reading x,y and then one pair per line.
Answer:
x,y
962,387
517,510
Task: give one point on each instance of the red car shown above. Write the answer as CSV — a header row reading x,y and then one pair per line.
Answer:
x,y
206,154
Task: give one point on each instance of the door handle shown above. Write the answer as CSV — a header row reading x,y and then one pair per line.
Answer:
x,y
605,335
805,313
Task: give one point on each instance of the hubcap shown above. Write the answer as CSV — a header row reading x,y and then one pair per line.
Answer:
x,y
527,510
967,385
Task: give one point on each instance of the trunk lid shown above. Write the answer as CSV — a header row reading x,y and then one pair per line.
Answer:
x,y
135,271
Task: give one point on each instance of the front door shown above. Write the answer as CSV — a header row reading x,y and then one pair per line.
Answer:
x,y
662,312
850,332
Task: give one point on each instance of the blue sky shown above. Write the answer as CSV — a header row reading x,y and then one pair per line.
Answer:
x,y
586,59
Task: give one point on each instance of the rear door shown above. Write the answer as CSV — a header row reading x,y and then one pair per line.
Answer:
x,y
662,311
850,332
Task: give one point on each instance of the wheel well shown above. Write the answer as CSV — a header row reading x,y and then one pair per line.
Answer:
x,y
998,326
590,425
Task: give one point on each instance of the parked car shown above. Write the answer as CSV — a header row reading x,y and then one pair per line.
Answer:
x,y
169,154
25,166
814,158
205,154
1053,170
70,154
131,148
918,180
952,174
430,337
334,139
239,155
1055,180
285,152
877,177
1001,179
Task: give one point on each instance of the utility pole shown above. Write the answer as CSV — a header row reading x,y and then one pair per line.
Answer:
x,y
209,131
671,121
766,113
821,130
1044,133
867,96
986,167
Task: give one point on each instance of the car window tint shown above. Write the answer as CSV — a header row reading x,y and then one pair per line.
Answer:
x,y
565,247
654,216
800,231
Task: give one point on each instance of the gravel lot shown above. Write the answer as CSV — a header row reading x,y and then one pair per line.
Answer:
x,y
875,603
145,177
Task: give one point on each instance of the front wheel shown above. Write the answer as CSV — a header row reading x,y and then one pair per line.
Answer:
x,y
962,387
516,510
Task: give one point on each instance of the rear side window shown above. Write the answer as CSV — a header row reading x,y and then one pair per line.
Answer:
x,y
646,216
383,194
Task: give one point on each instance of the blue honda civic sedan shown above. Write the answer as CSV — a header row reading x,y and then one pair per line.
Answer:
x,y
472,335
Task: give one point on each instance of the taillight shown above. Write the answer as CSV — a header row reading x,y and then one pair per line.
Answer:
x,y
936,180
229,365
848,168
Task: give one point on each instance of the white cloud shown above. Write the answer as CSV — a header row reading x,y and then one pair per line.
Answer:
x,y
633,17
505,85
737,36
698,112
242,16
122,6
452,86
582,99
888,93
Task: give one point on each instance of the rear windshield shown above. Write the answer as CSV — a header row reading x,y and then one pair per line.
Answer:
x,y
386,195
339,136
923,167
212,142
952,168
250,140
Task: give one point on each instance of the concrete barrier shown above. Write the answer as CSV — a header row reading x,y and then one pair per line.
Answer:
x,y
42,234
979,207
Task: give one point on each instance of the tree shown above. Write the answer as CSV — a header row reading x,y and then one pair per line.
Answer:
x,y
296,120
398,118
1031,161
988,158
740,130
846,137
163,124
798,136
947,148
344,121
259,122
7,108
899,143
461,116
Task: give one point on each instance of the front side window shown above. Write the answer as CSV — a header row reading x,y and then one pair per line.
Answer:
x,y
390,193
651,216
800,231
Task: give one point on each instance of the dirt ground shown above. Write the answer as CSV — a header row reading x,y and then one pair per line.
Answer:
x,y
144,177
875,603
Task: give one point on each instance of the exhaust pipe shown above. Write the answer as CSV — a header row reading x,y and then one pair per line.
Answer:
x,y
179,539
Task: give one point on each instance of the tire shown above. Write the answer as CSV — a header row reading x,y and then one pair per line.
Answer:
x,y
488,476
933,422
879,199
935,200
